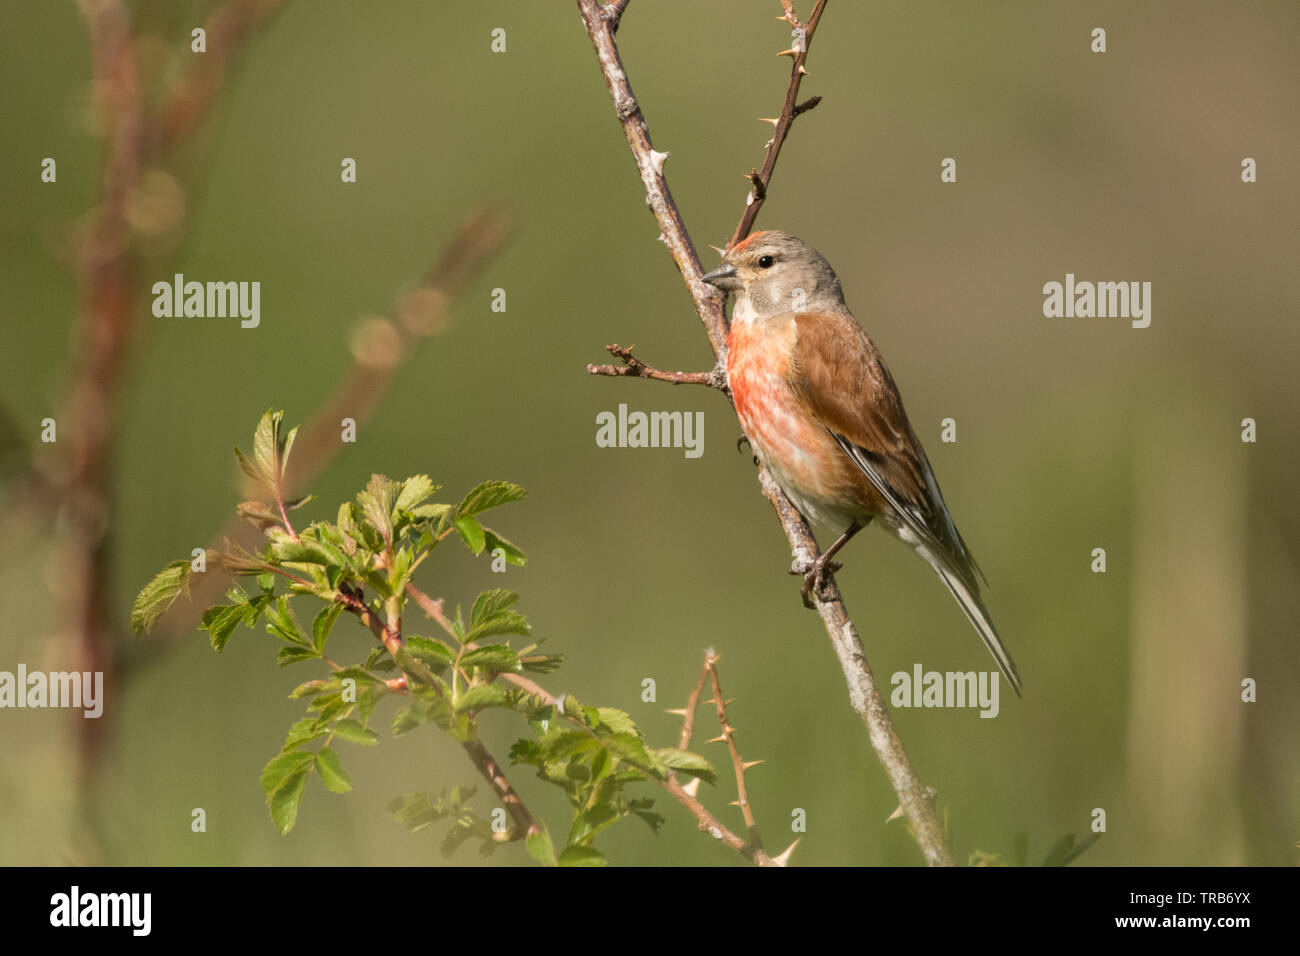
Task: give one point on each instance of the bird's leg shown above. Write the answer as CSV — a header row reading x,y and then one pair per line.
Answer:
x,y
814,579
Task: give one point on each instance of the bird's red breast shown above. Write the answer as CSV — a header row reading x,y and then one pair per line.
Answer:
x,y
803,456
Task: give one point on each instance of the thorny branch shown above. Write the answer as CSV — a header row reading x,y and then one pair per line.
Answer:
x,y
915,800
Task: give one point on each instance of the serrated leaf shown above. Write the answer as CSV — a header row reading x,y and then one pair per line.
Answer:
x,y
618,721
294,654
512,553
280,769
581,856
331,771
503,622
493,657
414,491
687,762
430,511
485,695
220,622
280,621
308,688
323,622
302,732
285,801
377,503
305,550
268,446
489,603
252,471
471,532
540,848
432,650
351,731
490,494
157,596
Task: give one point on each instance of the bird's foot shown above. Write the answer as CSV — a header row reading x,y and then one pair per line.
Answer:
x,y
742,440
816,578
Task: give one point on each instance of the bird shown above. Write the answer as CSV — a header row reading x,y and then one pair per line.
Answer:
x,y
820,410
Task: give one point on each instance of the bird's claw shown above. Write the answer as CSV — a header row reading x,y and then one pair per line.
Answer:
x,y
816,579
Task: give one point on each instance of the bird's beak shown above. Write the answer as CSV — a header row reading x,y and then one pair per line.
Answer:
x,y
723,277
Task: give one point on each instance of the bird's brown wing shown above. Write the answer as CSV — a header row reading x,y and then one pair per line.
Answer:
x,y
845,384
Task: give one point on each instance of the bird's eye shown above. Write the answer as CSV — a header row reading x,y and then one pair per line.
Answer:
x,y
766,262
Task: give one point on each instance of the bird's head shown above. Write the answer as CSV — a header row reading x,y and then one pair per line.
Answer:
x,y
772,273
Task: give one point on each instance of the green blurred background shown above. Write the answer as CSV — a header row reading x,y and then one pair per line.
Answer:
x,y
1072,433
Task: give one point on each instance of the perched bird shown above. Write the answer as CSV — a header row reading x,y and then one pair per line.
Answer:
x,y
821,411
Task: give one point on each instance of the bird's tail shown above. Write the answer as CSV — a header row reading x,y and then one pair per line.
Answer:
x,y
970,602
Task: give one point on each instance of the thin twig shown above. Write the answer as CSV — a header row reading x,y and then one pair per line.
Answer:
x,y
633,367
762,179
737,762
496,778
688,713
915,799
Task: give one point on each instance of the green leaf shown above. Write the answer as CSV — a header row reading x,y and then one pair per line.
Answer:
x,y
306,550
581,856
430,511
618,721
377,503
331,771
302,732
471,532
311,687
157,596
414,491
279,770
485,695
432,650
253,472
540,848
488,603
511,552
220,622
270,450
505,622
642,808
688,763
493,657
294,654
351,731
285,801
321,625
281,622
489,494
